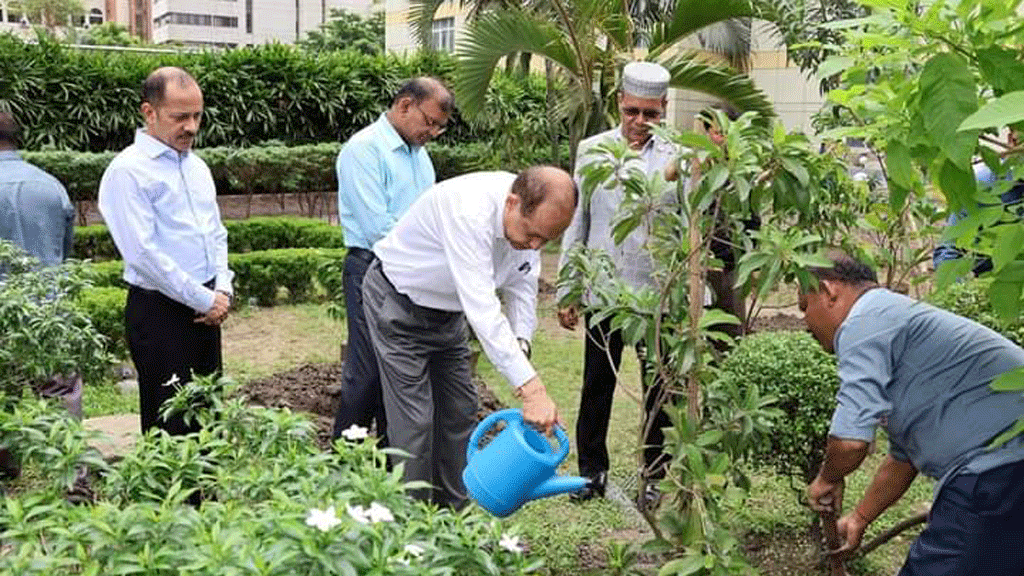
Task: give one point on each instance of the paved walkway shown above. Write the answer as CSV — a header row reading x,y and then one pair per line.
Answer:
x,y
117,433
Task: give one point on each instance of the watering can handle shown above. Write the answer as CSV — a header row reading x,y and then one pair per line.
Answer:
x,y
508,415
563,443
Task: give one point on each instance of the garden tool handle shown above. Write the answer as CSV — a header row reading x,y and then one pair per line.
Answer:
x,y
830,531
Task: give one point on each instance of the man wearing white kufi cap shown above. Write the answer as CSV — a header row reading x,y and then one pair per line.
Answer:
x,y
642,101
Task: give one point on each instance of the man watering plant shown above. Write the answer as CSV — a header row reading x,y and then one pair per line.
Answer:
x,y
923,374
434,273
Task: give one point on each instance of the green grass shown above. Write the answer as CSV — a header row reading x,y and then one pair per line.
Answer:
x,y
105,398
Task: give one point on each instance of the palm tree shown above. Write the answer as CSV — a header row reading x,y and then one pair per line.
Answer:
x,y
590,40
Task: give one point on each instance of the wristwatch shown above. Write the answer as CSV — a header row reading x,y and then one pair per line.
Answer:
x,y
524,345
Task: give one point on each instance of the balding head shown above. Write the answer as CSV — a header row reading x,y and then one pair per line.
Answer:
x,y
420,110
539,206
172,105
9,132
154,87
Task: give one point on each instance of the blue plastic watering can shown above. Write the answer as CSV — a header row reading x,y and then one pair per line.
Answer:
x,y
517,466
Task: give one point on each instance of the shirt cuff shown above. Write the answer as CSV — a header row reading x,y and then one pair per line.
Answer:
x,y
521,371
844,429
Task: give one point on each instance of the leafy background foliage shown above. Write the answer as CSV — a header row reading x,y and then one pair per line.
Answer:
x,y
70,99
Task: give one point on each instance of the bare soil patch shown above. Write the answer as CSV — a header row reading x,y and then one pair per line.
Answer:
x,y
315,389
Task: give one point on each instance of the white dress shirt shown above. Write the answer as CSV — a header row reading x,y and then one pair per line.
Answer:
x,y
161,209
593,222
449,252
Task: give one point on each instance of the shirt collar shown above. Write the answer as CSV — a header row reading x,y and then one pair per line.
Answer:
x,y
391,136
9,155
154,148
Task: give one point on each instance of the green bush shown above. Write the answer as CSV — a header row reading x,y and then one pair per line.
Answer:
x,y
794,368
277,169
105,308
259,275
71,99
970,299
260,233
275,503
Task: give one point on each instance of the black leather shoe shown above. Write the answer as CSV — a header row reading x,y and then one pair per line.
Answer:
x,y
650,498
593,489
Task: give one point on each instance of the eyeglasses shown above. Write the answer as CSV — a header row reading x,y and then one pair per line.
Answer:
x,y
433,123
649,113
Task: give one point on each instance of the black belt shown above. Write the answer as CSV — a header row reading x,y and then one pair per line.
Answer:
x,y
362,253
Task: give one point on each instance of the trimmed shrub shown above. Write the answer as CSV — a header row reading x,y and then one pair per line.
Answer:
x,y
104,306
72,99
277,169
260,233
970,299
794,368
259,275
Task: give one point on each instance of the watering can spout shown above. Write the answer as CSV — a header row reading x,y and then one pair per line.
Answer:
x,y
558,485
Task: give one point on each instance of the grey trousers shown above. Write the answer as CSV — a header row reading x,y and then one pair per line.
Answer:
x,y
429,398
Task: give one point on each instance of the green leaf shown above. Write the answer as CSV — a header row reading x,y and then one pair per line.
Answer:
x,y
683,566
957,184
948,96
1009,242
1005,110
1002,69
1005,297
1012,381
1014,431
834,65
900,167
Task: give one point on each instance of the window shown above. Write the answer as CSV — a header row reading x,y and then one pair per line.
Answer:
x,y
188,19
95,16
442,34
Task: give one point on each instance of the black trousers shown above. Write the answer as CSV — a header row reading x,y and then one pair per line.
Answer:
x,y
165,341
601,360
362,399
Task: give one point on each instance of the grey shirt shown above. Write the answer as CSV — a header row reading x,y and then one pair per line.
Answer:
x,y
35,211
923,373
593,222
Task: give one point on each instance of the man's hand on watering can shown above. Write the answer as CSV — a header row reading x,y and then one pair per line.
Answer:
x,y
825,496
538,408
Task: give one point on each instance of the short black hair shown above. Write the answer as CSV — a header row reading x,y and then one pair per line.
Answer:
x,y
846,269
10,133
424,87
532,188
154,87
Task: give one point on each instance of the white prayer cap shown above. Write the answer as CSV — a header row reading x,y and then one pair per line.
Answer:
x,y
645,80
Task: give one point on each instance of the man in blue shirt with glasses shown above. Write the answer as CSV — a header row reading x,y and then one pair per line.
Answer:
x,y
382,169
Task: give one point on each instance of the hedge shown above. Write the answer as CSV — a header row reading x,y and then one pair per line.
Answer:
x,y
71,99
970,299
259,233
276,169
105,307
259,275
794,368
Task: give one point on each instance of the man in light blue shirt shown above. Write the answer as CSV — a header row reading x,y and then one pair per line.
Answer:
x,y
925,375
382,169
37,216
158,200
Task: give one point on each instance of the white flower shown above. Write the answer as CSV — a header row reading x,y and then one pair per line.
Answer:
x,y
510,543
375,513
323,519
355,432
414,550
358,513
379,513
